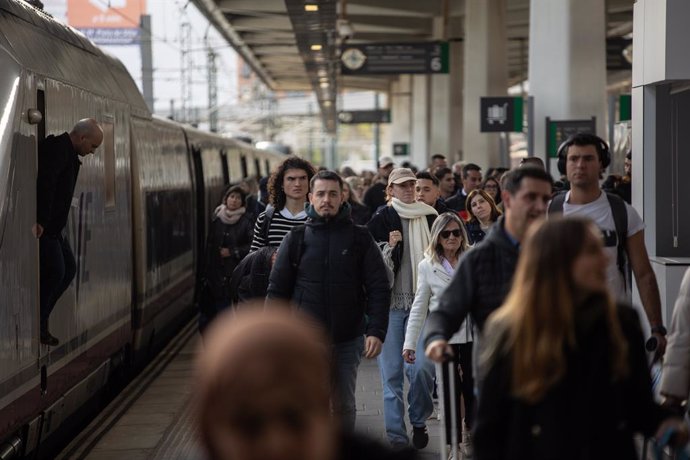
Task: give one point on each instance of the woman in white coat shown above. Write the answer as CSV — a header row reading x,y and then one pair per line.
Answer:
x,y
448,242
675,379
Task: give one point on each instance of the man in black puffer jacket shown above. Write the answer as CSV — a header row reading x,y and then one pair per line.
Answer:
x,y
334,272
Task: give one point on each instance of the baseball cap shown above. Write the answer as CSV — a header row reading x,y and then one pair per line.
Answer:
x,y
385,161
400,175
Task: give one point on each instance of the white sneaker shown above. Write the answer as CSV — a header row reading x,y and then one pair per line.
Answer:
x,y
466,447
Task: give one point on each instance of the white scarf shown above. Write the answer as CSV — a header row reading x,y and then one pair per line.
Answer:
x,y
418,228
229,217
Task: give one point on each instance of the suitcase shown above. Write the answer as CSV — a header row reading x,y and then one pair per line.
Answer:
x,y
452,410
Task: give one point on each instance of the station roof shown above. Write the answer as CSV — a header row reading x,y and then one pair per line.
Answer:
x,y
275,37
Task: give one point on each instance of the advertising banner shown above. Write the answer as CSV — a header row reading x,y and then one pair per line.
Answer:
x,y
107,22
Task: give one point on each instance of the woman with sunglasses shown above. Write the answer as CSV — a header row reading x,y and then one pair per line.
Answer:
x,y
448,242
483,212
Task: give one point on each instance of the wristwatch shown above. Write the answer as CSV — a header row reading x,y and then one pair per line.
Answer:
x,y
660,329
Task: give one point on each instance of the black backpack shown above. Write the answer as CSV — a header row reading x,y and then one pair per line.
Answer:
x,y
620,219
268,217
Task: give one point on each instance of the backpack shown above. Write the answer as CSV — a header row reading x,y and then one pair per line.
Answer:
x,y
268,217
620,220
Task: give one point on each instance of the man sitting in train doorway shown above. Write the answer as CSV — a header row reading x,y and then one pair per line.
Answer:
x,y
58,168
288,188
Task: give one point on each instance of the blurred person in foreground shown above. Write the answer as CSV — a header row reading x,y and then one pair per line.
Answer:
x,y
564,370
262,381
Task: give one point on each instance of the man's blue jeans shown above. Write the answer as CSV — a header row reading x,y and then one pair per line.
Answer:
x,y
393,369
58,268
346,359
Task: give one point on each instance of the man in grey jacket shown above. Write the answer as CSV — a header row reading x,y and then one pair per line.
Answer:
x,y
484,274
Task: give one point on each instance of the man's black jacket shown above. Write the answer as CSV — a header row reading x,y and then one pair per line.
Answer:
x,y
385,221
339,277
479,286
58,168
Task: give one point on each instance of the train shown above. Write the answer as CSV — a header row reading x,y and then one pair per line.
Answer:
x,y
137,225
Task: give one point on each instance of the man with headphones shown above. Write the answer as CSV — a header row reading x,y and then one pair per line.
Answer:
x,y
582,158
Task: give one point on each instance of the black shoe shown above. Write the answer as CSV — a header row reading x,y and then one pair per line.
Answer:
x,y
48,339
420,437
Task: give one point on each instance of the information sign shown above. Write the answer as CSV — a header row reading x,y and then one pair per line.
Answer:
x,y
394,58
501,114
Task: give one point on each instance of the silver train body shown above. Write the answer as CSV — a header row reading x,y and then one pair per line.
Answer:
x,y
136,227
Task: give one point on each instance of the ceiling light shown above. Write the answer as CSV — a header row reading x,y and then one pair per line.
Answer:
x,y
316,47
326,103
311,7
324,84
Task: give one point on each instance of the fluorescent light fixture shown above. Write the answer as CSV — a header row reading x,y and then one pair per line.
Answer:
x,y
311,7
324,84
326,103
316,47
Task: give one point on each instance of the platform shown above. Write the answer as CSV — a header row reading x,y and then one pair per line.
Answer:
x,y
152,417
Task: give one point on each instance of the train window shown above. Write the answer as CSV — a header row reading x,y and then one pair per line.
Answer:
x,y
257,163
245,169
268,168
224,165
109,162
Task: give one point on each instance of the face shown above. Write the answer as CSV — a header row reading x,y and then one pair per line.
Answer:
x,y
472,181
234,201
326,198
448,183
385,171
438,163
627,165
405,192
346,193
296,184
481,208
274,426
451,243
589,268
89,143
583,166
527,205
491,187
427,192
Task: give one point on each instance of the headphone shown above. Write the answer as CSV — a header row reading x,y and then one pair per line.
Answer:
x,y
584,139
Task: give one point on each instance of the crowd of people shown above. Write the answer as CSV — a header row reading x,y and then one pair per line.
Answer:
x,y
524,288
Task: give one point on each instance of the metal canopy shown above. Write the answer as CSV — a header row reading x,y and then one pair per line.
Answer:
x,y
275,37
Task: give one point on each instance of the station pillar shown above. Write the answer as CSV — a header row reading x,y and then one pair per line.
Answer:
x,y
661,140
485,74
400,100
567,64
420,120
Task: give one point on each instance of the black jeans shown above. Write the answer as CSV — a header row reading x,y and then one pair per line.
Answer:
x,y
464,385
58,268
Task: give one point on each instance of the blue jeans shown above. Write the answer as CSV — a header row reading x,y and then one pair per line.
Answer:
x,y
346,359
393,369
57,270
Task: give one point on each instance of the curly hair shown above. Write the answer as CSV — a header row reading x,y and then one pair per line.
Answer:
x,y
276,194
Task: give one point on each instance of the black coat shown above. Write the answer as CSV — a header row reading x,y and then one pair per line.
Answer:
x,y
587,415
474,231
457,202
218,270
375,196
338,278
250,278
58,168
360,213
385,221
479,286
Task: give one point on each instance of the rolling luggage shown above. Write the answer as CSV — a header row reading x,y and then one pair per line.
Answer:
x,y
452,410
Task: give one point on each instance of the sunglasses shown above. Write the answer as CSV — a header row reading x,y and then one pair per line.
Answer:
x,y
446,233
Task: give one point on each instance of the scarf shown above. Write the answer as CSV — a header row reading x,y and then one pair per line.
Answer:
x,y
418,228
229,217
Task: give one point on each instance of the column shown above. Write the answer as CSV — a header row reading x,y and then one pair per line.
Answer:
x,y
400,97
445,113
567,64
485,75
420,122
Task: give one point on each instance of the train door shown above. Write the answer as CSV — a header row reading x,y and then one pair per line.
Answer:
x,y
268,168
200,214
40,137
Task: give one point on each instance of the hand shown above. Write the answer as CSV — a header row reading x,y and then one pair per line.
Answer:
x,y
438,351
372,347
37,230
660,346
679,429
409,356
394,238
224,252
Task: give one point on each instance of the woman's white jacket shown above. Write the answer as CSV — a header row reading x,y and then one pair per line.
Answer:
x,y
675,380
432,280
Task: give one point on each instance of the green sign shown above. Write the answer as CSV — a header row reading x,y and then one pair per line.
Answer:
x,y
558,131
501,114
624,107
401,149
